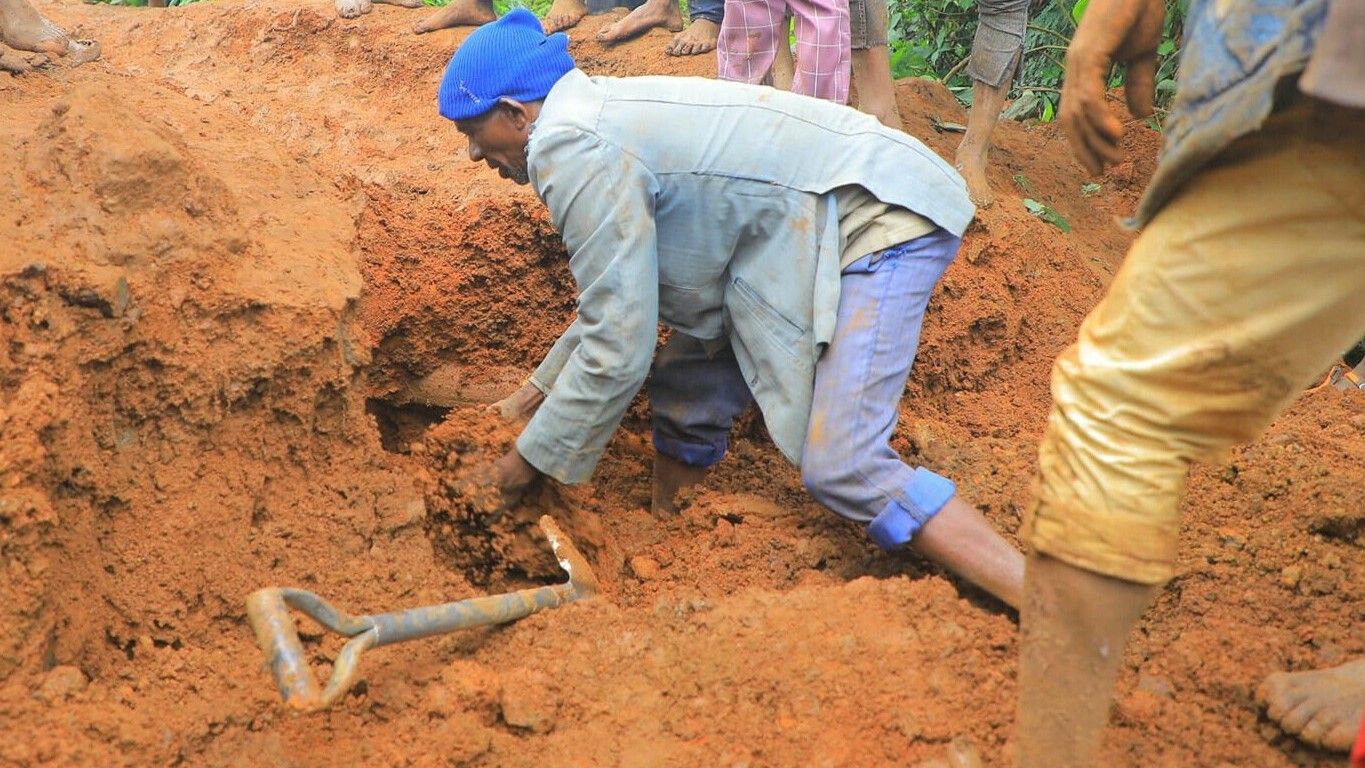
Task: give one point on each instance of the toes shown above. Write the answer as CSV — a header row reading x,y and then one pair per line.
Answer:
x,y
1281,700
1297,718
1271,688
1339,737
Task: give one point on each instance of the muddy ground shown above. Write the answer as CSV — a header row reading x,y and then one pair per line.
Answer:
x,y
239,254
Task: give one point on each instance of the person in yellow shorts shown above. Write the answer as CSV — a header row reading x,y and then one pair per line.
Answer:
x,y
1244,285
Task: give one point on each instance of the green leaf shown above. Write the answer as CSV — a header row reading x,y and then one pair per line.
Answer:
x,y
1048,111
1166,48
1047,214
1078,10
1089,188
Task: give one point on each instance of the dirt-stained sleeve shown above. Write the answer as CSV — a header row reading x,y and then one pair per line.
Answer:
x,y
601,200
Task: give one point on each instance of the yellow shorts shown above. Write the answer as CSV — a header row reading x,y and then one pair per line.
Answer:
x,y
1246,285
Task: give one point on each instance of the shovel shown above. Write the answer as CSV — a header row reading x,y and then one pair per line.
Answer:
x,y
268,611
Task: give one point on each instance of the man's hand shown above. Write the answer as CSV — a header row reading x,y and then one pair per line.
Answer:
x,y
1122,31
521,405
512,475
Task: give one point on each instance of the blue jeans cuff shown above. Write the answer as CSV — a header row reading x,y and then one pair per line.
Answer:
x,y
692,454
925,494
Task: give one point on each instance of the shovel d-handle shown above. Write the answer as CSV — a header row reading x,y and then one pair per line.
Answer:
x,y
268,611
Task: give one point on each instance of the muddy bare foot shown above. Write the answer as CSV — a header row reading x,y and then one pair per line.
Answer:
x,y
460,13
350,9
23,28
14,63
564,14
973,170
670,478
699,37
654,13
1321,707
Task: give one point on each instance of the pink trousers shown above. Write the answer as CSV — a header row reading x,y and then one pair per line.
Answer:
x,y
752,29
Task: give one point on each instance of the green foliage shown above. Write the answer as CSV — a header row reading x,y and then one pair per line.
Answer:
x,y
1047,214
933,38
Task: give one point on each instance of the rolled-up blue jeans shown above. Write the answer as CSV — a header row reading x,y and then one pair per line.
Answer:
x,y
711,10
847,463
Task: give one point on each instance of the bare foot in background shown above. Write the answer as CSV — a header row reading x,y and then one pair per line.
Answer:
x,y
23,28
1321,707
564,14
699,37
654,13
460,13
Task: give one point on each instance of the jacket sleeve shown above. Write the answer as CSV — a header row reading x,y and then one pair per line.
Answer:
x,y
601,199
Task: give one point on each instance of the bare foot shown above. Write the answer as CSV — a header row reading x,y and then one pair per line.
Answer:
x,y
460,13
350,9
564,14
973,172
654,13
670,477
25,29
699,37
14,63
1321,707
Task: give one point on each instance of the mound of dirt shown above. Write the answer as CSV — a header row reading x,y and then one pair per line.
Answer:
x,y
252,297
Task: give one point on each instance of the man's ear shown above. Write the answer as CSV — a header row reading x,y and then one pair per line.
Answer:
x,y
517,112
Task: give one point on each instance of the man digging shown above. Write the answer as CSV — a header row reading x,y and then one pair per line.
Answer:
x,y
799,285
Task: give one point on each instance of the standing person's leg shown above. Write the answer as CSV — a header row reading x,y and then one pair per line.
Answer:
x,y
869,25
694,398
749,35
784,64
822,49
848,463
1239,291
996,51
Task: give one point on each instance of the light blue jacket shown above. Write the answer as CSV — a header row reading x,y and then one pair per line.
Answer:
x,y
1233,55
703,205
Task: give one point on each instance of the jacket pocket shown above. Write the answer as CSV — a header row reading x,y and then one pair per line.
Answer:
x,y
764,318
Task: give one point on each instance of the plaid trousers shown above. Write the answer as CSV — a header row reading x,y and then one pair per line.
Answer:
x,y
752,29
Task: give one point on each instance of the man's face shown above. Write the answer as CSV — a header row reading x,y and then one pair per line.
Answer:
x,y
499,139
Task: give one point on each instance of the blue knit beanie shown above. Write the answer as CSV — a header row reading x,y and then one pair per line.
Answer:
x,y
509,58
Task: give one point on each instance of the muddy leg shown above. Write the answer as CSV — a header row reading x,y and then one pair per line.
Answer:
x,y
654,13
972,153
1321,707
460,13
1075,625
351,9
402,3
694,396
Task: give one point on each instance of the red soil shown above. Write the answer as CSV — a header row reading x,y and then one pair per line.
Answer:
x,y
241,251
